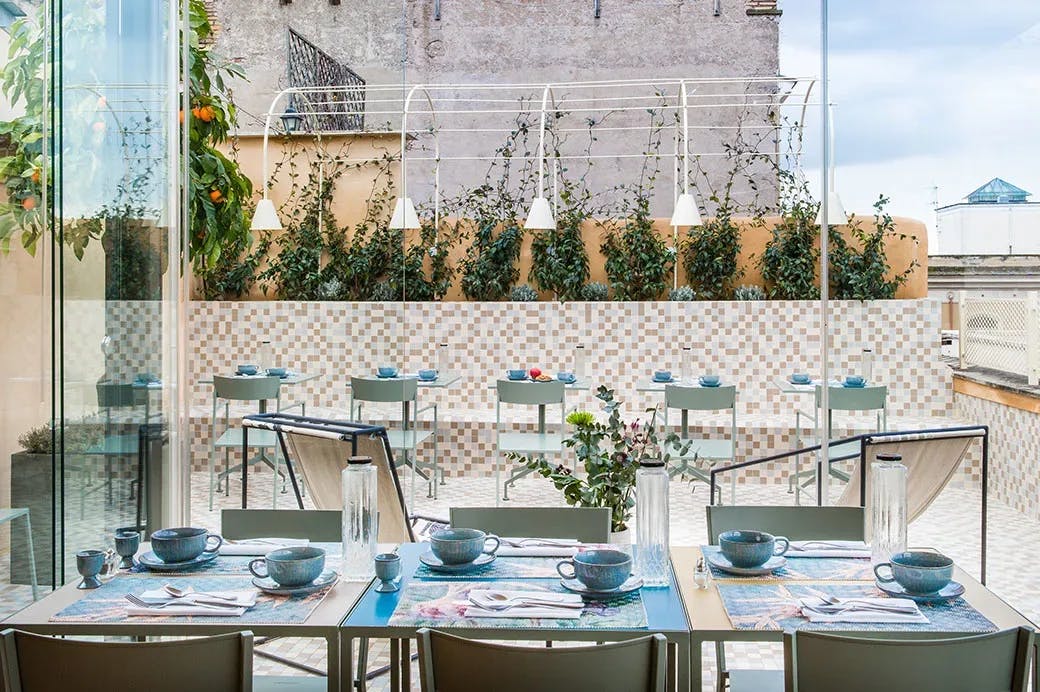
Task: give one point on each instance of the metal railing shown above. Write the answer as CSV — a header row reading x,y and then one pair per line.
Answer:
x,y
310,66
1002,334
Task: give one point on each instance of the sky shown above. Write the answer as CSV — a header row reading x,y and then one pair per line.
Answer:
x,y
933,98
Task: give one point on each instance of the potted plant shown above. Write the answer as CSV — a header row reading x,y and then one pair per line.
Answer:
x,y
610,453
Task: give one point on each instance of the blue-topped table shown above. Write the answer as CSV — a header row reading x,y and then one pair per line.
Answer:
x,y
371,618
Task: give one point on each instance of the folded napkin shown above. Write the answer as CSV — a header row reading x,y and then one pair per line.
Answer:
x,y
827,549
539,605
244,599
186,610
193,604
538,547
258,546
866,609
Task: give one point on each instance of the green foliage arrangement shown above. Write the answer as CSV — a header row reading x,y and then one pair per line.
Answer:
x,y
749,292
859,273
682,294
709,256
594,292
37,440
523,294
610,454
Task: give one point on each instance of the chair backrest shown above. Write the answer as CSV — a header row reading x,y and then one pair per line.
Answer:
x,y
795,523
119,395
33,663
452,664
997,662
700,398
587,524
388,390
530,393
853,398
246,388
321,525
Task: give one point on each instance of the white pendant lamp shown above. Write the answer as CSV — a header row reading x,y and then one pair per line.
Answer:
x,y
540,217
686,212
836,215
404,217
265,218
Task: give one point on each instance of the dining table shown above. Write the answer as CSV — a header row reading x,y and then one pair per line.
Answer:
x,y
429,599
103,612
734,608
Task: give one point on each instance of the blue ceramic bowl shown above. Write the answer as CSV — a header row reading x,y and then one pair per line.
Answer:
x,y
459,546
517,374
854,381
248,370
598,570
276,372
427,375
183,543
749,549
800,378
662,375
146,378
289,567
385,371
565,376
710,380
918,572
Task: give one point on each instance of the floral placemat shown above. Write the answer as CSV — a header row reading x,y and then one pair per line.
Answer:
x,y
801,569
441,603
108,603
775,606
501,568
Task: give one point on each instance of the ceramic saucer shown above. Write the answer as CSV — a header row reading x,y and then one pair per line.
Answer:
x,y
633,584
435,564
771,565
946,593
660,381
800,382
846,385
705,384
270,586
152,562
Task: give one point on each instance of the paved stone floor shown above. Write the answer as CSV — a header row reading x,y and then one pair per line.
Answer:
x,y
951,524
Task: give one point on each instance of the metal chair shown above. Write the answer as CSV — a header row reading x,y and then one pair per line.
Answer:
x,y
34,663
409,437
848,399
709,449
995,662
540,443
587,524
453,664
321,525
797,524
254,389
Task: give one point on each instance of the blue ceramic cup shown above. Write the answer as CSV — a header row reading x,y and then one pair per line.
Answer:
x,y
387,371
290,567
750,549
427,375
854,381
598,570
516,374
459,546
709,380
565,376
276,372
800,377
662,375
918,572
88,564
183,544
388,566
247,369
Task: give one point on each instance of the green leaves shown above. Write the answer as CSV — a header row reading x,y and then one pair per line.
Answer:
x,y
709,254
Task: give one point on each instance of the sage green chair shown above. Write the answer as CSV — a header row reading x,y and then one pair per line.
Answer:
x,y
453,664
587,524
404,391
848,399
319,525
796,523
34,663
995,662
712,450
242,389
540,443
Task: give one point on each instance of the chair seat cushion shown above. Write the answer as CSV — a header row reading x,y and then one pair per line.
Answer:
x,y
530,443
707,449
116,445
401,439
232,437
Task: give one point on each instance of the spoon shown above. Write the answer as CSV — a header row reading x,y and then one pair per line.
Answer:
x,y
863,603
181,593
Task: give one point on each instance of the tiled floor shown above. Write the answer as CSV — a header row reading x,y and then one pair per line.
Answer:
x,y
951,524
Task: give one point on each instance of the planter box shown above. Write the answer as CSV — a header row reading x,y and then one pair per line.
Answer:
x,y
32,486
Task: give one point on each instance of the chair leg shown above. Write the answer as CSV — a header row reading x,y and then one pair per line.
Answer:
x,y
227,472
274,481
212,473
498,479
720,667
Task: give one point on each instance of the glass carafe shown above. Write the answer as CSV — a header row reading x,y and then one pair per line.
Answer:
x,y
360,519
651,549
888,507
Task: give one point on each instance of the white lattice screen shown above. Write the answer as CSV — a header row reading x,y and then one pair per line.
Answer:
x,y
1002,334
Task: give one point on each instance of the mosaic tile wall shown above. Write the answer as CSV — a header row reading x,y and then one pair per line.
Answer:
x,y
748,343
1014,450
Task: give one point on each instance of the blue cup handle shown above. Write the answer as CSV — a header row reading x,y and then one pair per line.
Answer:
x,y
254,567
220,542
888,579
777,550
564,563
496,539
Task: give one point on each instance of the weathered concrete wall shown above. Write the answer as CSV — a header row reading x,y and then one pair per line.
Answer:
x,y
513,41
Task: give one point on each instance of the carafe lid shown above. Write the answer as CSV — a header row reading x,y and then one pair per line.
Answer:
x,y
651,463
359,460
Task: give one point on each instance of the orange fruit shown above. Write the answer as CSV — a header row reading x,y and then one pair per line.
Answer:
x,y
195,113
29,203
206,114
180,116
216,196
36,175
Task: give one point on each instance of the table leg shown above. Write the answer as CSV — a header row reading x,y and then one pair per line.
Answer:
x,y
346,664
672,664
696,668
362,679
682,681
32,557
406,665
395,665
333,650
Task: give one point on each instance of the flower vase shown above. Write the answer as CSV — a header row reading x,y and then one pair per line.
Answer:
x,y
621,537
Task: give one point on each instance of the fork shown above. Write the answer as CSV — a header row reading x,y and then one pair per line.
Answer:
x,y
527,602
141,603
